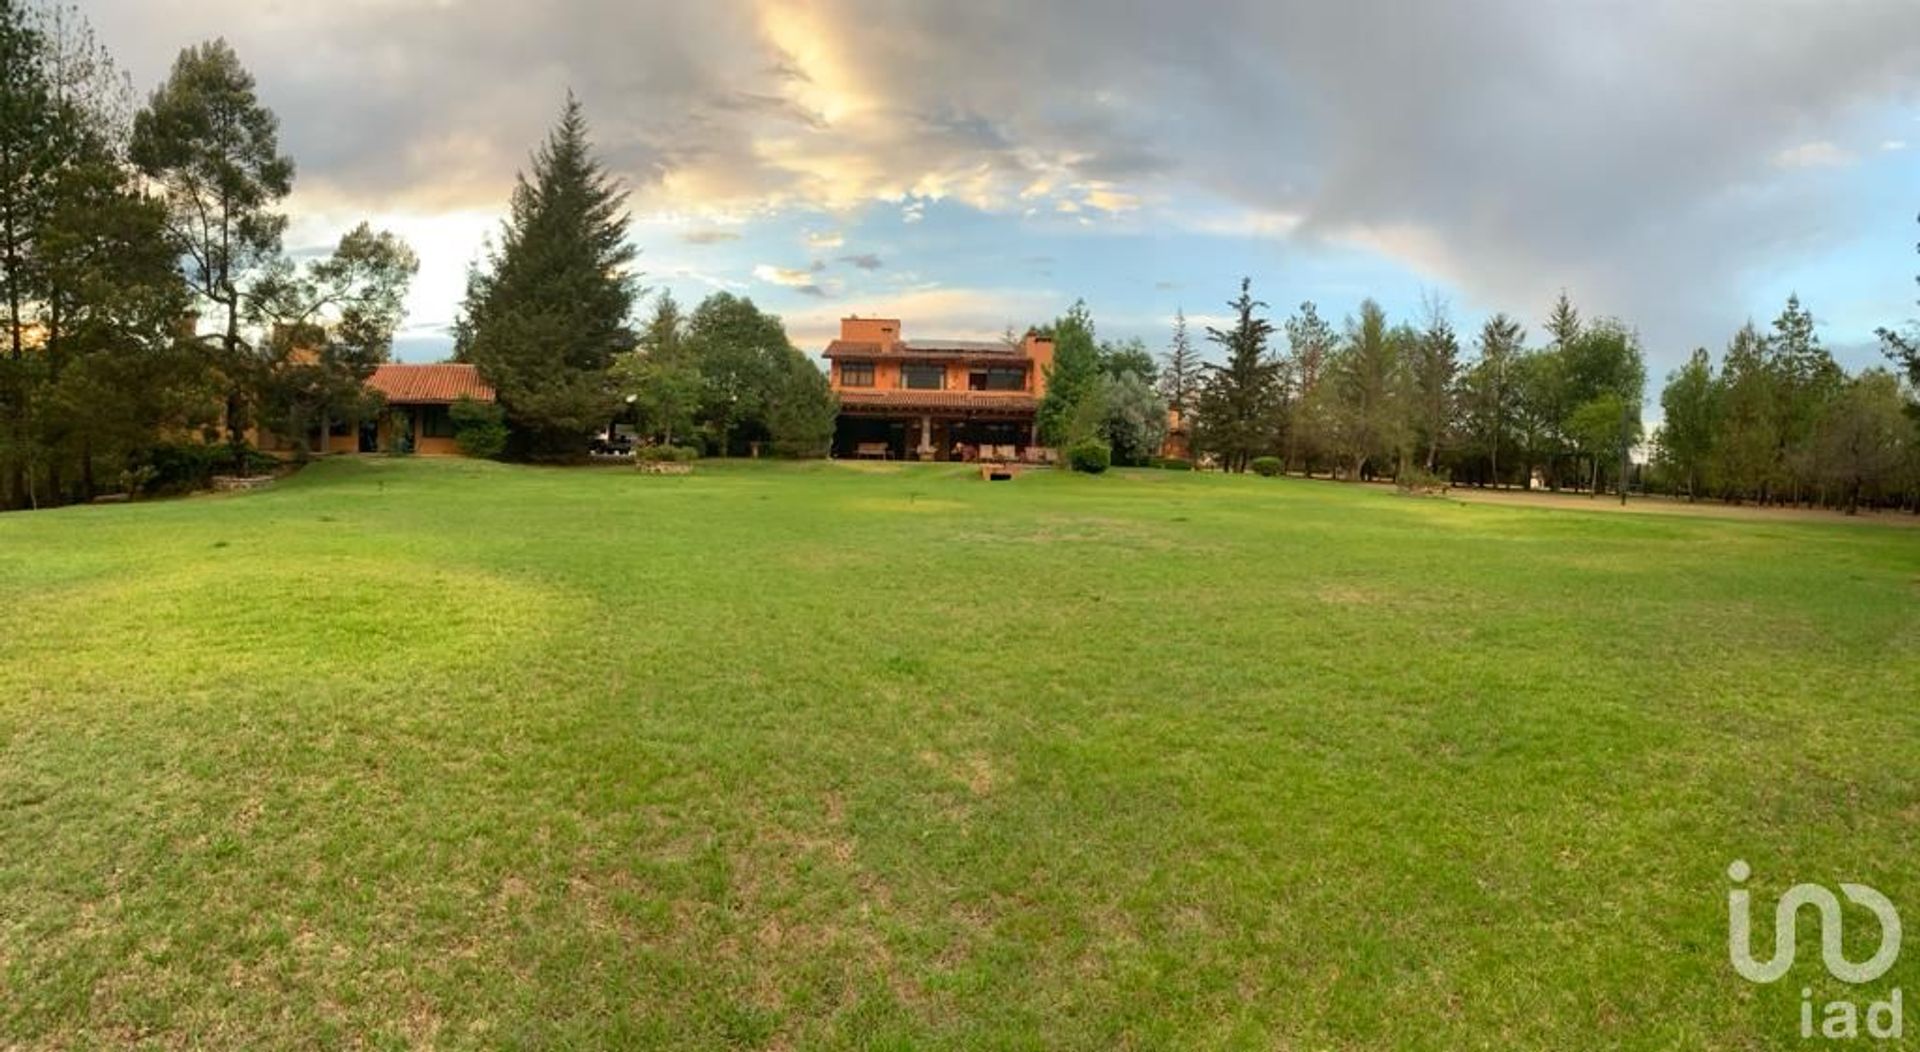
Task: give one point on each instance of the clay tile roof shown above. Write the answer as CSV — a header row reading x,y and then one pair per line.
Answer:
x,y
908,399
856,348
430,384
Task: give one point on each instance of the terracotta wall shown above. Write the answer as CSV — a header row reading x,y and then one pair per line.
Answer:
x,y
870,330
1039,350
886,376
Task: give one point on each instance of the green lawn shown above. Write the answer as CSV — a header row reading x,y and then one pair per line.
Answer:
x,y
461,755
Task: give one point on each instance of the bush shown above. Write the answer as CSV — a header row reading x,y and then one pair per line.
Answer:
x,y
1175,464
1415,480
1268,467
179,467
1090,455
479,428
665,454
182,467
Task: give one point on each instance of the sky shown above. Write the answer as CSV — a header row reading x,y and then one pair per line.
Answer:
x,y
967,167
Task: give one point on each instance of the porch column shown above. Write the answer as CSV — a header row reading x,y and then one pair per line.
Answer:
x,y
926,438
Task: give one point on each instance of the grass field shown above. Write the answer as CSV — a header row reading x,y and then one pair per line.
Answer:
x,y
414,754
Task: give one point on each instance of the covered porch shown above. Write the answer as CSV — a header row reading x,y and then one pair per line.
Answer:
x,y
933,436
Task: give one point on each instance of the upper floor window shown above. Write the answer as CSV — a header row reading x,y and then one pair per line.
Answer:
x,y
856,374
923,377
997,378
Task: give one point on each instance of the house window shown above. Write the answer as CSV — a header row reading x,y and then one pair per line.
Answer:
x,y
997,378
436,422
856,374
922,377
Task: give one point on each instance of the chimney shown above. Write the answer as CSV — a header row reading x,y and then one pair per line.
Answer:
x,y
1038,350
883,331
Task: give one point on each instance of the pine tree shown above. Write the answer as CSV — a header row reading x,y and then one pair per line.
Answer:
x,y
1490,387
1564,323
214,151
1180,369
1368,384
1807,379
551,308
1747,442
1310,342
1691,403
1237,405
1071,379
27,122
1435,369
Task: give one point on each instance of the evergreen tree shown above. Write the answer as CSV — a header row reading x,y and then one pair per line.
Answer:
x,y
1806,379
660,379
213,150
1434,373
1368,385
1310,342
1691,403
1748,439
1180,369
1489,387
801,410
1241,393
1071,378
27,126
547,314
1563,323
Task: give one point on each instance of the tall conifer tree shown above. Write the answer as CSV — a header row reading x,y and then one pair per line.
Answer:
x,y
552,306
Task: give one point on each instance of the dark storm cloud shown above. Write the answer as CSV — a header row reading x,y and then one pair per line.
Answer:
x,y
1639,154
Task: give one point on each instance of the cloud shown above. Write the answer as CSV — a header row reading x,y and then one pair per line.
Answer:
x,y
949,313
708,237
1821,154
825,240
1893,145
863,260
1503,148
804,281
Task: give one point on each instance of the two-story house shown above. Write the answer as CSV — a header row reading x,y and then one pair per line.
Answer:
x,y
934,399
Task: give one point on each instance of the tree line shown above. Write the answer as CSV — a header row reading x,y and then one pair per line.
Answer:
x,y
155,321
122,228
1777,421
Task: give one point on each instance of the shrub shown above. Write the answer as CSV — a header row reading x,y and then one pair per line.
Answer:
x,y
179,467
1176,464
1416,480
665,454
1090,455
1268,467
182,467
479,428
